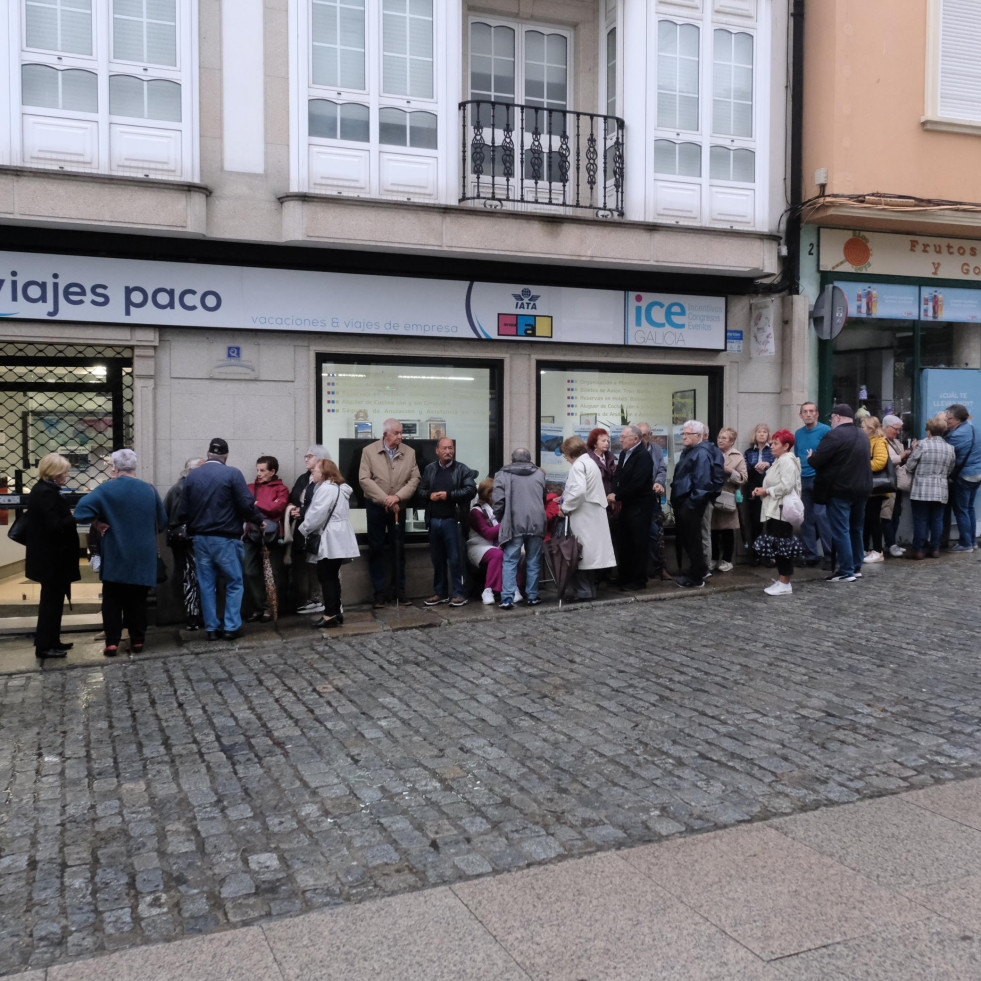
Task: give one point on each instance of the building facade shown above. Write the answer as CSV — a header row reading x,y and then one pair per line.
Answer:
x,y
891,149
283,221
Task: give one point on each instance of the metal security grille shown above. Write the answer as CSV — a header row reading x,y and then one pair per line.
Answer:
x,y
76,400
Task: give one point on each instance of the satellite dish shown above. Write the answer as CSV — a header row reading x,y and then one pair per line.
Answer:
x,y
830,313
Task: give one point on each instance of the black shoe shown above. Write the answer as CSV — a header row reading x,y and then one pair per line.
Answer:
x,y
533,602
62,646
50,654
215,634
685,583
231,634
192,626
379,601
256,617
325,623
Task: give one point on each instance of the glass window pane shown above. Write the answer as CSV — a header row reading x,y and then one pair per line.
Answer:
x,y
165,10
76,31
534,46
421,8
352,28
79,91
42,27
421,38
742,84
690,160
719,163
39,86
688,41
163,100
422,130
396,34
354,122
557,49
322,119
421,78
743,49
723,46
127,8
667,37
127,39
742,119
395,69
323,65
722,117
126,96
392,127
665,157
687,112
744,166
351,75
480,38
323,24
161,44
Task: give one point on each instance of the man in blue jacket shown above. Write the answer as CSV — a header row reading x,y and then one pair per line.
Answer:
x,y
815,525
216,504
692,488
843,480
966,475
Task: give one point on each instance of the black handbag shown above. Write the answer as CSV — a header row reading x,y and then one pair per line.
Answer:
x,y
884,480
17,532
177,535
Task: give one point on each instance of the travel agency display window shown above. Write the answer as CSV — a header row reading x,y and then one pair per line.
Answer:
x,y
431,397
573,399
896,329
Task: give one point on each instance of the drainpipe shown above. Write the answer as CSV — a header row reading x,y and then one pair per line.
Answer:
x,y
792,270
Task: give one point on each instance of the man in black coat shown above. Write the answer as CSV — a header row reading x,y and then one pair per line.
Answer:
x,y
634,490
692,489
843,480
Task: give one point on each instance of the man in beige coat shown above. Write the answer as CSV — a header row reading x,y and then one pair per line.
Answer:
x,y
389,477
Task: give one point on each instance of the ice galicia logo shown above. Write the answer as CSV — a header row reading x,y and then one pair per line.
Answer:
x,y
526,300
671,320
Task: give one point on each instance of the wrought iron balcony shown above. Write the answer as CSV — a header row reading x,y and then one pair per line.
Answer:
x,y
542,157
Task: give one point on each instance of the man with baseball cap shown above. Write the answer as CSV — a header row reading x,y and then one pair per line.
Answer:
x,y
842,464
215,503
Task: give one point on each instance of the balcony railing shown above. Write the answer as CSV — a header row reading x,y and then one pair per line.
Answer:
x,y
542,157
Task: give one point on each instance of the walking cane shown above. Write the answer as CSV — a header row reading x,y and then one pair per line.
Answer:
x,y
396,552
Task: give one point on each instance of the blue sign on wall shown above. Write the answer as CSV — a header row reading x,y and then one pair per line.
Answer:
x,y
940,387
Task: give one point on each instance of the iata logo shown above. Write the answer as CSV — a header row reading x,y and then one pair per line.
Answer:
x,y
526,300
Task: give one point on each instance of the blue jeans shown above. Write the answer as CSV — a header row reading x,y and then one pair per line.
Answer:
x,y
962,498
216,555
444,547
847,521
928,525
815,525
533,566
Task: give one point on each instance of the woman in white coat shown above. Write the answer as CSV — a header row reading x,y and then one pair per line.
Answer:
x,y
584,500
329,514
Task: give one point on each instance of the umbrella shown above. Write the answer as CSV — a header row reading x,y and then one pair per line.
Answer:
x,y
272,599
189,588
562,552
396,556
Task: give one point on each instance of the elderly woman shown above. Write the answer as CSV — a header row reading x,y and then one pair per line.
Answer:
x,y
778,540
879,455
725,521
930,463
598,448
182,549
327,520
128,513
584,500
52,553
892,506
483,552
759,458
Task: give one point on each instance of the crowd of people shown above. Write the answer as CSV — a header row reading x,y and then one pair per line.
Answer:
x,y
828,495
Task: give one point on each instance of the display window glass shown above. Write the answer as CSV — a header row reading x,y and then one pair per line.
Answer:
x,y
573,400
432,398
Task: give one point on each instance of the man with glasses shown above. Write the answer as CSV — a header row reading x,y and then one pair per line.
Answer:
x,y
692,488
843,481
965,478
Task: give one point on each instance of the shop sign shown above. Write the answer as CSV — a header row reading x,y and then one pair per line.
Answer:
x,y
173,294
871,301
676,320
950,305
890,254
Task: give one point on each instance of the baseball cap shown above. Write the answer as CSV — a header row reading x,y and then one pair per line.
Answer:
x,y
218,446
844,410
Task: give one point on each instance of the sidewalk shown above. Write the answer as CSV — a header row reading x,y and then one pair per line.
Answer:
x,y
883,889
84,630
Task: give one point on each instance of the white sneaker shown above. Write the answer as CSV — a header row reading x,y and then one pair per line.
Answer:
x,y
896,551
724,567
487,597
873,557
779,589
311,608
517,595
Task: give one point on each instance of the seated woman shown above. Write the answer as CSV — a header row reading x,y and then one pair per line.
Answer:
x,y
482,549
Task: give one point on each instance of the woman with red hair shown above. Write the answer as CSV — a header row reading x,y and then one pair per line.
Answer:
x,y
778,540
598,450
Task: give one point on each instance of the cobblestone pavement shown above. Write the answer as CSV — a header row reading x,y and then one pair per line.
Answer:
x,y
140,802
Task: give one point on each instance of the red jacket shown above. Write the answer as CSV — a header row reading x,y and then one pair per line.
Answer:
x,y
272,499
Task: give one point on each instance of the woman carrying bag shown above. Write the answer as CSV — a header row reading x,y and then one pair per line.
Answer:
x,y
330,538
778,540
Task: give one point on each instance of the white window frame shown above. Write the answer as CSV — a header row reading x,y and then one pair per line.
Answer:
x,y
703,190
101,123
303,90
963,29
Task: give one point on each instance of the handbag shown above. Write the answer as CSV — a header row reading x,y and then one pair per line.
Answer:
x,y
792,510
265,534
884,480
17,532
177,535
904,479
726,501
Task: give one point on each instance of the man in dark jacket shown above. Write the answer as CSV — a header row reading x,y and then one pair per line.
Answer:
x,y
519,505
305,588
842,465
634,490
447,487
215,504
692,488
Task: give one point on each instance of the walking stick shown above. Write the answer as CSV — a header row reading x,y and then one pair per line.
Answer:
x,y
396,550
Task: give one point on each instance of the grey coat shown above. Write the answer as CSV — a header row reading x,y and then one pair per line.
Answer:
x,y
519,501
930,464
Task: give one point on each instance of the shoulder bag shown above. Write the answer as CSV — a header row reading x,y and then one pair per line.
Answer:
x,y
311,544
884,480
17,532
